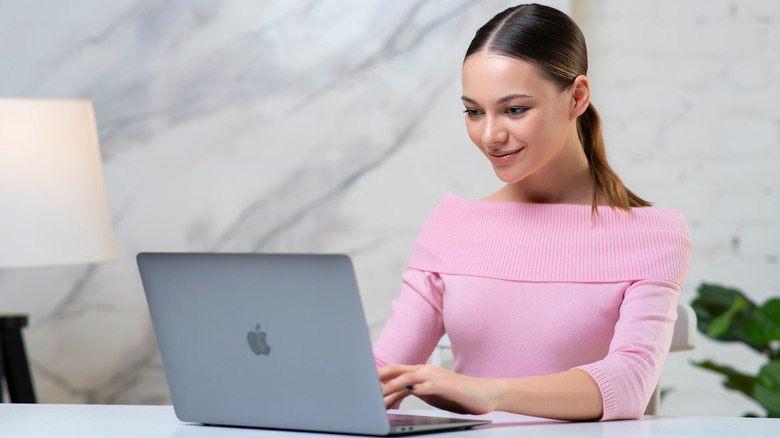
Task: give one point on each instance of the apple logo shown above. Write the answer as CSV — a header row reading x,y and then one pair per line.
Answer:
x,y
257,342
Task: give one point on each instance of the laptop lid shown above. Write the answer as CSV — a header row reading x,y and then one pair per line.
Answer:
x,y
265,340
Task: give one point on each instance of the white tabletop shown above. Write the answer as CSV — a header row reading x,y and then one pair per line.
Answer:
x,y
87,421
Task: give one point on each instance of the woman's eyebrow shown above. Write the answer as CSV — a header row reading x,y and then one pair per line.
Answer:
x,y
500,101
469,100
512,97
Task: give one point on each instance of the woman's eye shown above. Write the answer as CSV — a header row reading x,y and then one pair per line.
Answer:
x,y
472,113
516,111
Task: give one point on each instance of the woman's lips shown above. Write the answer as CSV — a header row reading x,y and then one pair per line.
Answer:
x,y
503,157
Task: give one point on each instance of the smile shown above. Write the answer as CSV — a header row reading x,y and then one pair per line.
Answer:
x,y
503,157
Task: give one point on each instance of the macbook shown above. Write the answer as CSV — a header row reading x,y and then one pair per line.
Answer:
x,y
269,340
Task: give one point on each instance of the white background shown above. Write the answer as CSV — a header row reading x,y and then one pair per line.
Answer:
x,y
335,126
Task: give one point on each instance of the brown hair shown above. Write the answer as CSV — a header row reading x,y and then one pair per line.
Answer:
x,y
551,41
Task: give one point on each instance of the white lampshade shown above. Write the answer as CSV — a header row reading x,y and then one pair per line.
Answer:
x,y
53,205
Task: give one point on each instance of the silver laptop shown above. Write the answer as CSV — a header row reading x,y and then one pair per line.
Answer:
x,y
269,340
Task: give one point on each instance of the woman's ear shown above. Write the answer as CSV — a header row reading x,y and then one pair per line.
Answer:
x,y
580,96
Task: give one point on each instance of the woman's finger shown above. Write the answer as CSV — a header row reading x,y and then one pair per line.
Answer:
x,y
394,399
403,384
390,372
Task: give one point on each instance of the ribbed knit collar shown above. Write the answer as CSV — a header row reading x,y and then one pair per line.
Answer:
x,y
552,242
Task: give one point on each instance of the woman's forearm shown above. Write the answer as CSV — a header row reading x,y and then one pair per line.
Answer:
x,y
570,395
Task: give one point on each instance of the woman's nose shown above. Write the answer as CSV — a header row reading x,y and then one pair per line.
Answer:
x,y
494,132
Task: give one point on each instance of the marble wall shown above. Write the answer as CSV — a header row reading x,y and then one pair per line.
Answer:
x,y
334,126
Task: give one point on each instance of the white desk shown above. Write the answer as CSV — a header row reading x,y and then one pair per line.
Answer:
x,y
87,421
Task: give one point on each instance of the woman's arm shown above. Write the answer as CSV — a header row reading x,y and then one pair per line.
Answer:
x,y
570,395
415,325
616,387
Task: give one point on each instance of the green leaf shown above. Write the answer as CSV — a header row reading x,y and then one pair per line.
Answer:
x,y
734,379
762,329
770,313
665,391
767,388
720,324
714,301
763,326
771,309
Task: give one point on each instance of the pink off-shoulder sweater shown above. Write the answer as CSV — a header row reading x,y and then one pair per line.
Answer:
x,y
534,289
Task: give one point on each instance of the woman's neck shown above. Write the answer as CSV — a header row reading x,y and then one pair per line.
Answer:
x,y
566,179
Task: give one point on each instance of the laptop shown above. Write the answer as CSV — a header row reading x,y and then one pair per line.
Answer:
x,y
273,341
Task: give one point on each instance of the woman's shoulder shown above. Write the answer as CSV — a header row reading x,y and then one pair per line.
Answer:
x,y
529,241
464,211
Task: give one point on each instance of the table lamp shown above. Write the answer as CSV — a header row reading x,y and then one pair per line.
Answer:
x,y
53,205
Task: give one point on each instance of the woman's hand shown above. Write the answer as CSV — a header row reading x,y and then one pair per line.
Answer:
x,y
438,387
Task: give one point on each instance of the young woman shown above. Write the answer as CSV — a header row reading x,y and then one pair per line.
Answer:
x,y
559,291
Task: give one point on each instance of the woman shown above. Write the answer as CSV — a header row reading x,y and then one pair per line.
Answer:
x,y
559,291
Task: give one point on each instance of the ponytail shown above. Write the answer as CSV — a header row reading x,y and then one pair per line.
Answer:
x,y
605,179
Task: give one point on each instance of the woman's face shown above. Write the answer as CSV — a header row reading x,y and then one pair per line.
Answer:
x,y
522,122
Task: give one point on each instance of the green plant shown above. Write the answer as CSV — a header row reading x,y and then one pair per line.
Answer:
x,y
726,314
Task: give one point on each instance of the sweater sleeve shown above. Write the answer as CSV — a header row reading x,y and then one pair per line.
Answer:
x,y
415,323
627,376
